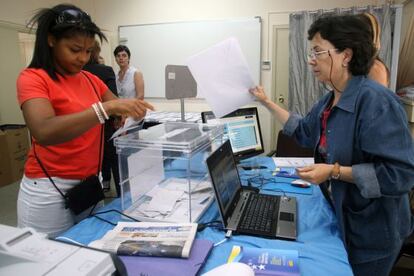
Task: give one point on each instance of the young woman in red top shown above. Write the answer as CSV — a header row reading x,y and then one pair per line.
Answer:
x,y
63,107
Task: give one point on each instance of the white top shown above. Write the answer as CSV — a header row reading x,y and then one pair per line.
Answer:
x,y
126,87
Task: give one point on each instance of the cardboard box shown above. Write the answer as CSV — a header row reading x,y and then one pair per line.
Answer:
x,y
14,144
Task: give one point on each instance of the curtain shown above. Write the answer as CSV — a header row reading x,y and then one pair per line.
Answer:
x,y
304,89
406,64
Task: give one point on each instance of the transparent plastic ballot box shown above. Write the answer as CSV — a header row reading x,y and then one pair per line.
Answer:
x,y
163,173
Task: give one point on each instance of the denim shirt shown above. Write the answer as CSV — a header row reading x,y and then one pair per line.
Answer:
x,y
367,130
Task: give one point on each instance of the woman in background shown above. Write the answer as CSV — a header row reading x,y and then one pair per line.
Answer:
x,y
110,158
129,81
63,107
364,152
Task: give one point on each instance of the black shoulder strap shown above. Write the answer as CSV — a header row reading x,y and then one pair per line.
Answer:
x,y
44,170
100,148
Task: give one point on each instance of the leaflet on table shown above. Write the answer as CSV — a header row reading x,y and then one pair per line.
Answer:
x,y
286,166
288,172
149,239
266,261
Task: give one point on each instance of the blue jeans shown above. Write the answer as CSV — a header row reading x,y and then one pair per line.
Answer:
x,y
380,267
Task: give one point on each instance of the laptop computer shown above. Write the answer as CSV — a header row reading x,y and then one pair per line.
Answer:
x,y
244,210
242,128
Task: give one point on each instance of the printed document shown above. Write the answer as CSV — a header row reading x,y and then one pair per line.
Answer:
x,y
149,239
223,76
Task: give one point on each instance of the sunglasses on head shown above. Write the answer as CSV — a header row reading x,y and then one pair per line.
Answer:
x,y
72,16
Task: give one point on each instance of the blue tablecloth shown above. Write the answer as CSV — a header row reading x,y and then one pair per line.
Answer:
x,y
321,251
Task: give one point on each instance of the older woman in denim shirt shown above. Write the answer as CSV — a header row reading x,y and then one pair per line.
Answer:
x,y
364,152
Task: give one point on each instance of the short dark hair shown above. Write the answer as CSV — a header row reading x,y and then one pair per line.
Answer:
x,y
121,48
61,21
347,31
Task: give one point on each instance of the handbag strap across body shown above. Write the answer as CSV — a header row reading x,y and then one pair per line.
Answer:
x,y
100,148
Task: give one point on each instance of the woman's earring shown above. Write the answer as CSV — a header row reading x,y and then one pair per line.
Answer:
x,y
344,64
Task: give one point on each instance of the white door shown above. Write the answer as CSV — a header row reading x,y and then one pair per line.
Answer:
x,y
280,85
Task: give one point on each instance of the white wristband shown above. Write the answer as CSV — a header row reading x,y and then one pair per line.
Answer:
x,y
98,113
103,111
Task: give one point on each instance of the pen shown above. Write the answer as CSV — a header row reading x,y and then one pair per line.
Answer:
x,y
248,168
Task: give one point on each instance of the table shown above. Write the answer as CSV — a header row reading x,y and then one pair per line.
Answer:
x,y
321,250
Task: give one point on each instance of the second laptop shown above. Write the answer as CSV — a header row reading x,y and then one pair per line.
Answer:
x,y
245,211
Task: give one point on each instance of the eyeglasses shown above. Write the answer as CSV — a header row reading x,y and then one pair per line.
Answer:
x,y
72,16
313,55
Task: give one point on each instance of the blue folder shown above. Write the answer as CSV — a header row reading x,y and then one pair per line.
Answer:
x,y
154,266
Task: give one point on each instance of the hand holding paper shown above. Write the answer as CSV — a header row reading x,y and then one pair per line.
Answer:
x,y
130,123
223,76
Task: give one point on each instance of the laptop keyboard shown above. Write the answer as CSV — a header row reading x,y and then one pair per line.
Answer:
x,y
260,213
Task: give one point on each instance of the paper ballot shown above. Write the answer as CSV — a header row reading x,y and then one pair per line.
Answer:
x,y
130,123
223,76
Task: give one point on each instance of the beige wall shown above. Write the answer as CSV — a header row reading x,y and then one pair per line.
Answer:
x,y
109,14
10,66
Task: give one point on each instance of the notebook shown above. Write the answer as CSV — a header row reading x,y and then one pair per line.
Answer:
x,y
244,210
153,266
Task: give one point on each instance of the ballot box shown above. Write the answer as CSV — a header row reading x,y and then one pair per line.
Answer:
x,y
163,173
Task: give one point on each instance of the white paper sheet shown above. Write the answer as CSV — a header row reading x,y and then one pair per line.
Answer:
x,y
164,200
170,202
294,162
130,123
223,76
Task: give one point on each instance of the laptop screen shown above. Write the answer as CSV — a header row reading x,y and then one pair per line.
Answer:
x,y
224,175
243,130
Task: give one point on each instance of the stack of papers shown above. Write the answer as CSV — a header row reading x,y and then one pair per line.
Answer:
x,y
168,116
169,201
